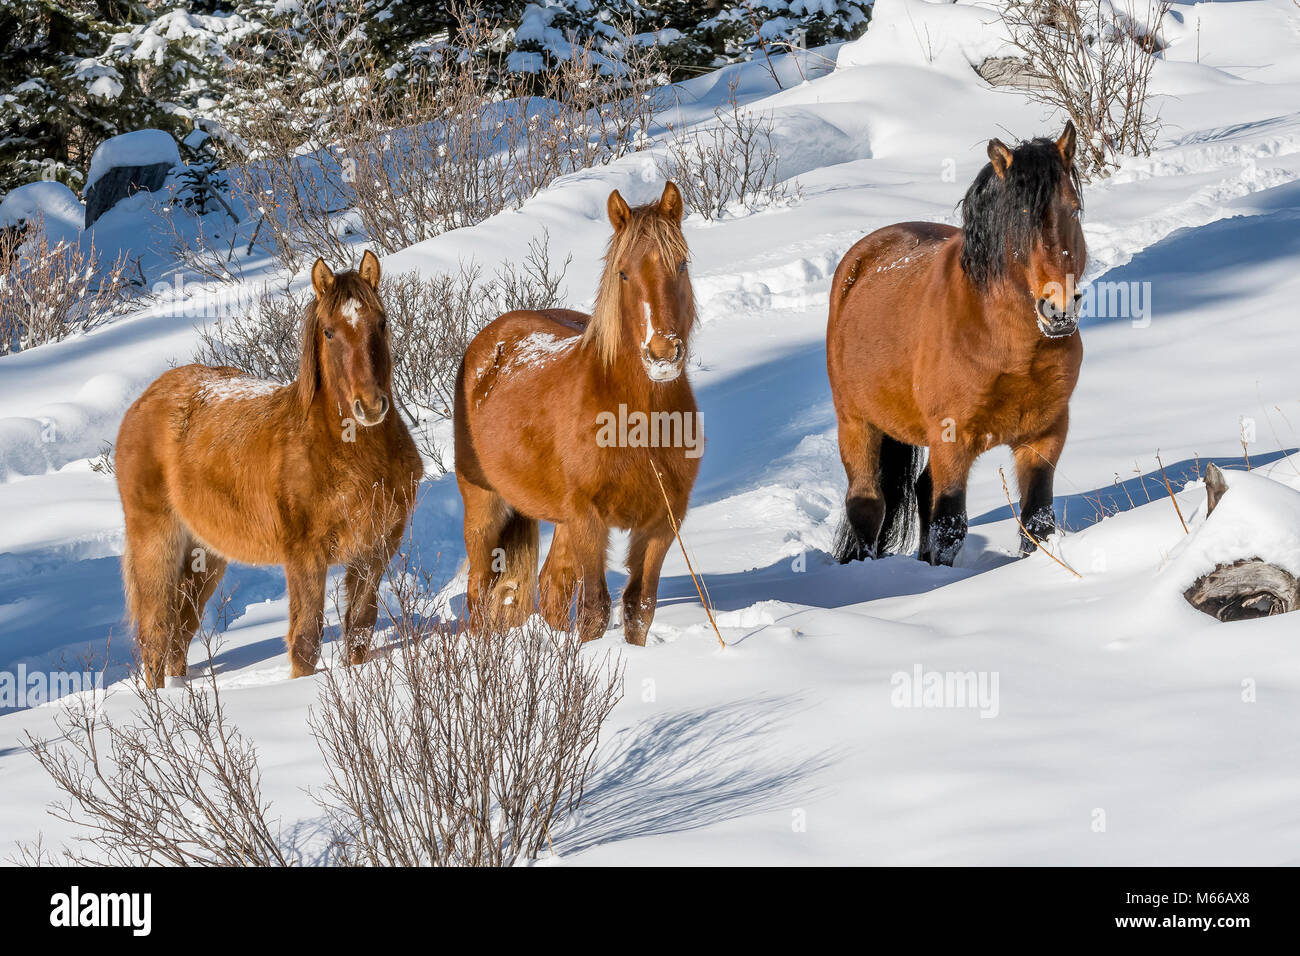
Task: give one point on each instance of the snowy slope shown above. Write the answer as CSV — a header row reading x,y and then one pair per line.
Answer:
x,y
1114,700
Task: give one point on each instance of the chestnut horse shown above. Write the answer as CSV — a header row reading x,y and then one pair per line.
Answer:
x,y
536,396
214,467
959,340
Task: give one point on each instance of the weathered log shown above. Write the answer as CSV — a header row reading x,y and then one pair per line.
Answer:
x,y
1245,589
1011,71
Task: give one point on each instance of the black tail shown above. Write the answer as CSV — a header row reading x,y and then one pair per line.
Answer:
x,y
899,466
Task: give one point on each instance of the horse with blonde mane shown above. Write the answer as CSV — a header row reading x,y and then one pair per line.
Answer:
x,y
215,467
537,398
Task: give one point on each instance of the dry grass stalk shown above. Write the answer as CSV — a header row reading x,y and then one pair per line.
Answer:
x,y
695,578
1038,544
1169,488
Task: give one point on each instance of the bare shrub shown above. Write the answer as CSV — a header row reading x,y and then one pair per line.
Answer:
x,y
265,342
51,291
432,321
458,749
1095,63
400,157
446,748
584,113
176,784
729,163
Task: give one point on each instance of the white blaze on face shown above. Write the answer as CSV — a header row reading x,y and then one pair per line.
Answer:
x,y
649,325
351,310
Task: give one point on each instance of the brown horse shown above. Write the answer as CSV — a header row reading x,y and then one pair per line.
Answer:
x,y
959,340
577,419
214,467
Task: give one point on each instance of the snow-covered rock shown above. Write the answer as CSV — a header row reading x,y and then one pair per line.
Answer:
x,y
128,164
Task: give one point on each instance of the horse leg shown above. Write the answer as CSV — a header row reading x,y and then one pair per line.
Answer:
x,y
949,468
306,577
645,559
589,538
486,514
924,506
150,570
559,581
201,572
1035,469
361,588
864,505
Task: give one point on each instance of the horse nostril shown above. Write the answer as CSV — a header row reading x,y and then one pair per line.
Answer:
x,y
677,352
383,405
357,409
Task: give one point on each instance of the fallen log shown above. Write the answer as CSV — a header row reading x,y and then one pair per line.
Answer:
x,y
1244,589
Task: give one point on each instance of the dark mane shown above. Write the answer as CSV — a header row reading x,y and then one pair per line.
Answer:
x,y
1006,215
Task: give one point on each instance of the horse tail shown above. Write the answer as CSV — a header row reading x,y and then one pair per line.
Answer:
x,y
900,464
514,595
131,592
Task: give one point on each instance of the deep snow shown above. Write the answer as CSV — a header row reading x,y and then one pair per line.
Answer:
x,y
1126,728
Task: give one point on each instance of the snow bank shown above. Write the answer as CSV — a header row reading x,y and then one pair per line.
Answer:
x,y
952,37
52,202
1257,517
143,147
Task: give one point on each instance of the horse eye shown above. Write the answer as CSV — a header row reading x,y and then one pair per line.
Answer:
x,y
623,276
328,334
682,267
1075,214
383,325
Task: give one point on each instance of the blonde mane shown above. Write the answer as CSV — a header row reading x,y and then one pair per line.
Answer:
x,y
604,331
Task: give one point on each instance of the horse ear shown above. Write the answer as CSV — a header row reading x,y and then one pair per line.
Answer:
x,y
1000,157
322,279
620,213
1065,145
670,203
308,366
370,269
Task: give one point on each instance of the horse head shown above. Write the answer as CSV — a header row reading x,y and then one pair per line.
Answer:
x,y
645,306
345,350
1021,224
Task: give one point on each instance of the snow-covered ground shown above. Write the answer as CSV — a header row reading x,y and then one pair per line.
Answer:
x,y
1116,724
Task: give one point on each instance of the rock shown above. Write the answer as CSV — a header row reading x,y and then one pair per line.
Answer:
x,y
125,165
119,183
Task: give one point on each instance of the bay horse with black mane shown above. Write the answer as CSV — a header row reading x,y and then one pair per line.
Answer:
x,y
215,467
958,340
534,396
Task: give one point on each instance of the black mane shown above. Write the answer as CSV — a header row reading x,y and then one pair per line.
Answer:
x,y
999,214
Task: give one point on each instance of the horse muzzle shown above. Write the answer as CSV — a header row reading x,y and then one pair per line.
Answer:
x,y
372,413
663,365
1055,323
